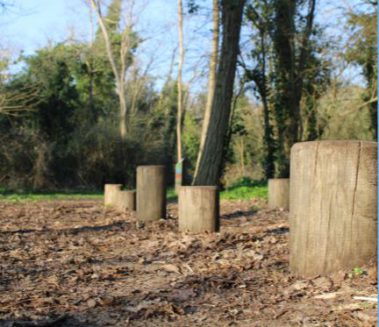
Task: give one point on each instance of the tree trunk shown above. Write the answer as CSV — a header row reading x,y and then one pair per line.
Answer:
x,y
333,206
372,92
151,193
123,117
180,84
211,156
290,76
373,107
269,160
91,71
119,73
199,209
211,79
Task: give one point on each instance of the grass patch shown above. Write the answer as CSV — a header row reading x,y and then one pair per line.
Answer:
x,y
171,194
245,189
242,190
245,193
21,196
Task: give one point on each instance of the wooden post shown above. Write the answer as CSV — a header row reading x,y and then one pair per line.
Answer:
x,y
111,193
333,206
199,209
126,200
278,193
151,193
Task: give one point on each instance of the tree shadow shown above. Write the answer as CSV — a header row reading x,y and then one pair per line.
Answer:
x,y
118,225
239,214
60,321
278,231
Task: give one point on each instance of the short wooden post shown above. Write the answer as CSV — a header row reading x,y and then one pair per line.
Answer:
x,y
199,209
333,206
126,200
111,193
151,193
278,193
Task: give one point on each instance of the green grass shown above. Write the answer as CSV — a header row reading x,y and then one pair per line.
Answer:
x,y
245,189
21,196
171,195
245,193
242,190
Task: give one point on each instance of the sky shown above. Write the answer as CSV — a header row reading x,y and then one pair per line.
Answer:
x,y
32,24
28,24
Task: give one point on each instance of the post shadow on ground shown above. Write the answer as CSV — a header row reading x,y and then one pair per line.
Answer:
x,y
117,225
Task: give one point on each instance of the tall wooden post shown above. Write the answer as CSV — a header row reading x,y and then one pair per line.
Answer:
x,y
151,193
333,206
278,193
199,209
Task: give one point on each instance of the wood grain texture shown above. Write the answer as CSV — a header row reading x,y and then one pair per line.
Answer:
x,y
199,209
111,193
151,193
333,206
278,193
119,199
125,200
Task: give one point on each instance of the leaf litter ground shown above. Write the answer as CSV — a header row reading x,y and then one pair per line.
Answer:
x,y
76,263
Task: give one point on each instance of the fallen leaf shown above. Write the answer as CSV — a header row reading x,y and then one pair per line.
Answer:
x,y
326,296
171,268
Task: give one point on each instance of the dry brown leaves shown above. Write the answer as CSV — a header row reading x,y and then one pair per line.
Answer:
x,y
76,263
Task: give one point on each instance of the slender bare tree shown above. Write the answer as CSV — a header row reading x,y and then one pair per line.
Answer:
x,y
180,84
119,70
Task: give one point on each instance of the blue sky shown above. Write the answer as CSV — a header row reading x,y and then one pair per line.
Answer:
x,y
31,24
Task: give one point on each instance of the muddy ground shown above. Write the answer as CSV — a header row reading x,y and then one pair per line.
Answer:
x,y
75,263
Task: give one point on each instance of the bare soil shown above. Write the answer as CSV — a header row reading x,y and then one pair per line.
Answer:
x,y
76,263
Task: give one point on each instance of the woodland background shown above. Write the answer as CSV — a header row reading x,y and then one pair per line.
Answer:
x,y
60,107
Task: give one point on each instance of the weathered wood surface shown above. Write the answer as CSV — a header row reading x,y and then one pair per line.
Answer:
x,y
119,199
126,200
151,193
278,193
333,206
199,209
111,193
